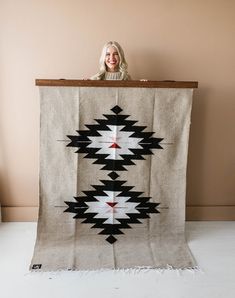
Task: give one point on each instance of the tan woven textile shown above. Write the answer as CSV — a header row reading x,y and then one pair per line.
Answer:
x,y
126,185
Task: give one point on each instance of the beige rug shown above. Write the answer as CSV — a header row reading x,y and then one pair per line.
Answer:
x,y
113,178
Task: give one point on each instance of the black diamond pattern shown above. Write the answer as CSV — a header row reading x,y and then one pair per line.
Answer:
x,y
113,175
111,239
116,109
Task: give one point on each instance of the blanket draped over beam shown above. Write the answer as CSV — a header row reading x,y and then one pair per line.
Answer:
x,y
113,178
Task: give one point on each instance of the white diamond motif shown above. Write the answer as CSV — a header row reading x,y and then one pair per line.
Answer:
x,y
118,211
115,142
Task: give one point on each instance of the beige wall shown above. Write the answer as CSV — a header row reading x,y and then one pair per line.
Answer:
x,y
163,39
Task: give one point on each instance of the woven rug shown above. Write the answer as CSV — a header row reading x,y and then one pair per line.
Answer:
x,y
112,178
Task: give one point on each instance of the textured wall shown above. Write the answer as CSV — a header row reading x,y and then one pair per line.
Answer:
x,y
163,39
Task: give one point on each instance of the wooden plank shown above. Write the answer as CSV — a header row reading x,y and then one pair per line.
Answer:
x,y
195,213
117,83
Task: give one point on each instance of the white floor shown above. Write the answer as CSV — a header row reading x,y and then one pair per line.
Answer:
x,y
212,244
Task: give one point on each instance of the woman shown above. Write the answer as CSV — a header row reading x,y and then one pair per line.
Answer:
x,y
113,64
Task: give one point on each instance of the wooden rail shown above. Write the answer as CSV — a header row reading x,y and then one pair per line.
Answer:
x,y
117,83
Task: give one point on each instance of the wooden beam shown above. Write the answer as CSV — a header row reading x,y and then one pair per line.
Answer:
x,y
116,83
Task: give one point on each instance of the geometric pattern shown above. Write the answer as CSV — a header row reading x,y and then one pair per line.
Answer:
x,y
115,143
111,207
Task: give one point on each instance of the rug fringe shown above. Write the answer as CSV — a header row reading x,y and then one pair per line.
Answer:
x,y
134,270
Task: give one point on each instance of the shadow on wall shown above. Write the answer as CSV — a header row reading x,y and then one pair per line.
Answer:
x,y
4,181
197,142
1,196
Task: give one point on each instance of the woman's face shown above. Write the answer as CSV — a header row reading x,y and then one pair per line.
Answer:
x,y
112,59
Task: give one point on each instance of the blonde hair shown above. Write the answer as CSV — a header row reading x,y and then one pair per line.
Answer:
x,y
122,64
